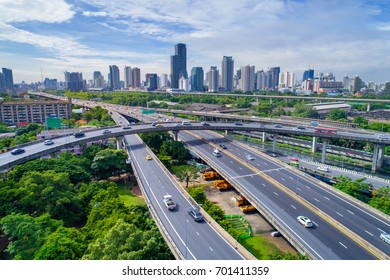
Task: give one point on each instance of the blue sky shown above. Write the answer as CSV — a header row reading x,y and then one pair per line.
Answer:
x,y
345,37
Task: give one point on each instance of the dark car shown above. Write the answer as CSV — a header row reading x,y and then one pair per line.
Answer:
x,y
127,127
17,151
238,123
79,134
223,146
195,214
278,126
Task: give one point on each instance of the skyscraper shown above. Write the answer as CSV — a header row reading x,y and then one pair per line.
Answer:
x,y
151,81
114,77
308,74
227,73
286,80
74,81
2,82
178,65
213,79
247,81
274,77
136,77
128,74
197,77
98,80
9,80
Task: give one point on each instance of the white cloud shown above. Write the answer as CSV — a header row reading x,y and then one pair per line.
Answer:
x,y
94,14
35,10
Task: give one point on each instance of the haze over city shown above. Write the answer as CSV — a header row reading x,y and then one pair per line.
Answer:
x,y
45,38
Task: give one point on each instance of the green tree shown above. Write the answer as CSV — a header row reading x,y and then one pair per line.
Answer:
x,y
360,120
109,162
381,200
304,111
188,174
337,115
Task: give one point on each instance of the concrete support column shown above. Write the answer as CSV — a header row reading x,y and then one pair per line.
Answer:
x,y
226,132
119,142
274,143
270,101
375,158
175,135
323,155
368,106
314,145
381,153
264,137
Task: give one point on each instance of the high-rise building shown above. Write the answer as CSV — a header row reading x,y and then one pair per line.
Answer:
x,y
178,65
136,77
164,81
74,81
286,80
357,83
227,73
96,75
308,74
9,80
213,79
98,79
151,81
50,84
2,82
197,77
184,84
247,81
114,77
128,74
274,77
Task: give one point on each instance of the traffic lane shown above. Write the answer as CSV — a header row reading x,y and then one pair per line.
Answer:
x,y
231,169
177,221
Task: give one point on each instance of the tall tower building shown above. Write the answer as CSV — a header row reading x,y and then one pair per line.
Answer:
x,y
213,79
97,78
164,81
9,80
151,81
227,73
114,77
128,74
136,77
247,81
308,74
178,65
286,80
197,77
274,77
74,81
2,82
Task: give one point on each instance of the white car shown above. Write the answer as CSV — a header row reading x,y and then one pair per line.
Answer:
x,y
385,237
305,221
322,168
217,152
249,157
48,142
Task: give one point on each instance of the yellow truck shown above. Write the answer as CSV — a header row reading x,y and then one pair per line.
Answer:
x,y
210,175
221,185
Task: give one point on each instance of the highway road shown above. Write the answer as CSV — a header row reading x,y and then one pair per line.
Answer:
x,y
366,224
194,240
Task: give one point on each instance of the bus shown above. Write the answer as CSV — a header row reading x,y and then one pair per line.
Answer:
x,y
325,130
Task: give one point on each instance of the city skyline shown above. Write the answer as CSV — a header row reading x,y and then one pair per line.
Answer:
x,y
86,36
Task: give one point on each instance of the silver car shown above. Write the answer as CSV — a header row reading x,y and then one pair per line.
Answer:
x,y
305,221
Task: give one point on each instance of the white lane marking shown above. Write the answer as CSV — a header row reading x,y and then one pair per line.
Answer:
x,y
343,245
293,206
307,187
351,212
381,230
197,233
326,198
211,249
240,168
265,163
276,193
291,177
299,189
369,233
315,223
339,214
263,184
231,162
283,179
316,199
257,164
242,176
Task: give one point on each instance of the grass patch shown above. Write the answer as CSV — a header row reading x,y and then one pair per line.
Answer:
x,y
260,247
127,197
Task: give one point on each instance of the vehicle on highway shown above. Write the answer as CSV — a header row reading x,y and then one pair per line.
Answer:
x,y
313,123
238,123
384,136
185,123
126,127
217,152
195,214
262,126
148,157
305,221
106,131
278,126
323,168
17,151
301,127
204,123
385,237
154,123
178,124
159,125
169,203
325,130
48,142
294,159
223,146
249,157
79,134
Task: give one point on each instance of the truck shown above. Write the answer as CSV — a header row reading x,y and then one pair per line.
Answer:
x,y
210,175
244,204
221,185
169,203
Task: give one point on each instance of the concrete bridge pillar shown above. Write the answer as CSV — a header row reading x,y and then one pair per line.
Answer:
x,y
226,132
175,135
275,136
119,142
368,106
375,158
270,101
381,153
264,137
314,145
323,155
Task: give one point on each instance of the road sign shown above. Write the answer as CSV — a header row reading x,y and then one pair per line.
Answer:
x,y
148,112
